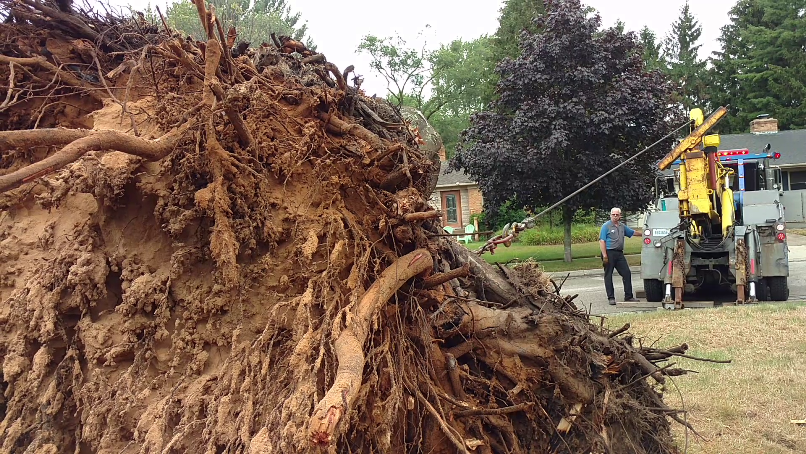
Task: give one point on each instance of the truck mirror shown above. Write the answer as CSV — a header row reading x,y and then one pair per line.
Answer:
x,y
669,186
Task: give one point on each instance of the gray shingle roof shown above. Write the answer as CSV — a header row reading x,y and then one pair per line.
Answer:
x,y
791,144
454,178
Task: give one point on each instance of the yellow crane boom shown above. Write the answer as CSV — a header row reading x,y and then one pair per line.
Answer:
x,y
693,139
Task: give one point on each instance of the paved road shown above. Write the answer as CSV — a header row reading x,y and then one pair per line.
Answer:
x,y
590,284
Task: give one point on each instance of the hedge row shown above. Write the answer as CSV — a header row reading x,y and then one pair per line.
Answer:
x,y
545,236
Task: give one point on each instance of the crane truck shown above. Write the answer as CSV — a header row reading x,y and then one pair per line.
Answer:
x,y
718,220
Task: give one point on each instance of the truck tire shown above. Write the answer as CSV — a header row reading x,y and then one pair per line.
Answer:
x,y
762,292
779,289
654,290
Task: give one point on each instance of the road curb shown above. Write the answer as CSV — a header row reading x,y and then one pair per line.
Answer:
x,y
577,273
593,272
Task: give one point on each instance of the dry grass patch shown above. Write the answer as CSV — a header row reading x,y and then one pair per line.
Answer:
x,y
744,407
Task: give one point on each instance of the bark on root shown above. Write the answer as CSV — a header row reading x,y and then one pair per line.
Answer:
x,y
152,150
349,346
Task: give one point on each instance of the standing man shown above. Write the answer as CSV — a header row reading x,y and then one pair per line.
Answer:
x,y
611,243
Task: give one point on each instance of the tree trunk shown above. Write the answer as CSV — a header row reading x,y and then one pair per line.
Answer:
x,y
568,217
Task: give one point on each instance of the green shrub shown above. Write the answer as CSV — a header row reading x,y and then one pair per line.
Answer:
x,y
508,213
482,220
544,236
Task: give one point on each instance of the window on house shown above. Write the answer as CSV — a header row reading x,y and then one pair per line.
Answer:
x,y
450,208
797,180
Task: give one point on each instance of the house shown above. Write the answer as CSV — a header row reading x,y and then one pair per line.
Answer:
x,y
792,146
457,196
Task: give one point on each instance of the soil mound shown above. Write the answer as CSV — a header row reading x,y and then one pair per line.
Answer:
x,y
210,249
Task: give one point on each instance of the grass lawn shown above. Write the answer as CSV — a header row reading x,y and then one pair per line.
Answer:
x,y
744,407
584,255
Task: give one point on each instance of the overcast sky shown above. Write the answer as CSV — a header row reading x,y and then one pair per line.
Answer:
x,y
337,27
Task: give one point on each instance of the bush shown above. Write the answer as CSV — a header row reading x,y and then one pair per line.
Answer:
x,y
482,220
544,236
507,213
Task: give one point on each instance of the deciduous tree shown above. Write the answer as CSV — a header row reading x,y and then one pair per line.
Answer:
x,y
407,70
516,16
446,84
576,103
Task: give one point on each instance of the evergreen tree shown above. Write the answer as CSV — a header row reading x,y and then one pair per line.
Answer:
x,y
761,68
684,66
652,49
254,22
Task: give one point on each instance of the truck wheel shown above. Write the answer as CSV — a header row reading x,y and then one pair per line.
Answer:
x,y
654,290
761,290
779,290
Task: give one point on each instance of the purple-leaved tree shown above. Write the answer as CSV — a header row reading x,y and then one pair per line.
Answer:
x,y
576,103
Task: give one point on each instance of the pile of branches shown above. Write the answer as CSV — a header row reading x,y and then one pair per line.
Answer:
x,y
341,314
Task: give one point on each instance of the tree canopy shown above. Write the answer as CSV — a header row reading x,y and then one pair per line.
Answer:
x,y
407,70
652,49
516,16
683,64
446,84
577,102
761,68
254,20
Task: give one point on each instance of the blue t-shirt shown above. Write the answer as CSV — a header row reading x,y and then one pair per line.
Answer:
x,y
613,235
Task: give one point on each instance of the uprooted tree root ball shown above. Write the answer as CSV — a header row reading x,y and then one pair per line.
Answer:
x,y
208,253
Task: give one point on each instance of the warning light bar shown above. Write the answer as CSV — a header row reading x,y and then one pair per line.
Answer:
x,y
733,152
730,155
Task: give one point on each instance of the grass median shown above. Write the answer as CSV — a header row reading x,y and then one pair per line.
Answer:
x,y
585,256
749,405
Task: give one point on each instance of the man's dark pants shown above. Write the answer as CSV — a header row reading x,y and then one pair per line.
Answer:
x,y
618,262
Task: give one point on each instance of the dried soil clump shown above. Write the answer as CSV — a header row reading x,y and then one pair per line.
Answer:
x,y
208,251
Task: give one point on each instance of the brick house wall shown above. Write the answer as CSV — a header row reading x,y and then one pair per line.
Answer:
x,y
475,200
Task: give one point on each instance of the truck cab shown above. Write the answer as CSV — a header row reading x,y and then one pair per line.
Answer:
x,y
756,235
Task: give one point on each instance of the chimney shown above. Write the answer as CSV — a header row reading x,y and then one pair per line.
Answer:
x,y
442,156
764,125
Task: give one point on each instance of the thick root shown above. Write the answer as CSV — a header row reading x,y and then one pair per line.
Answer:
x,y
152,150
349,345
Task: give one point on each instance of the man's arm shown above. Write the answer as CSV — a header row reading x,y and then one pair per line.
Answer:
x,y
603,241
628,232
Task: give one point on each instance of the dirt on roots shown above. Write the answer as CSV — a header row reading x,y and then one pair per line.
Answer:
x,y
207,251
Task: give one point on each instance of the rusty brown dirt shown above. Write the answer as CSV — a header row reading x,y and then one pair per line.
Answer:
x,y
255,288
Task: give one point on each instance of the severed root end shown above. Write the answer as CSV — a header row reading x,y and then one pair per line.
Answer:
x,y
323,426
349,345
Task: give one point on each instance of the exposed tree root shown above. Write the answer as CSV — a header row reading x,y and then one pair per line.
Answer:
x,y
267,276
349,344
63,75
152,150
